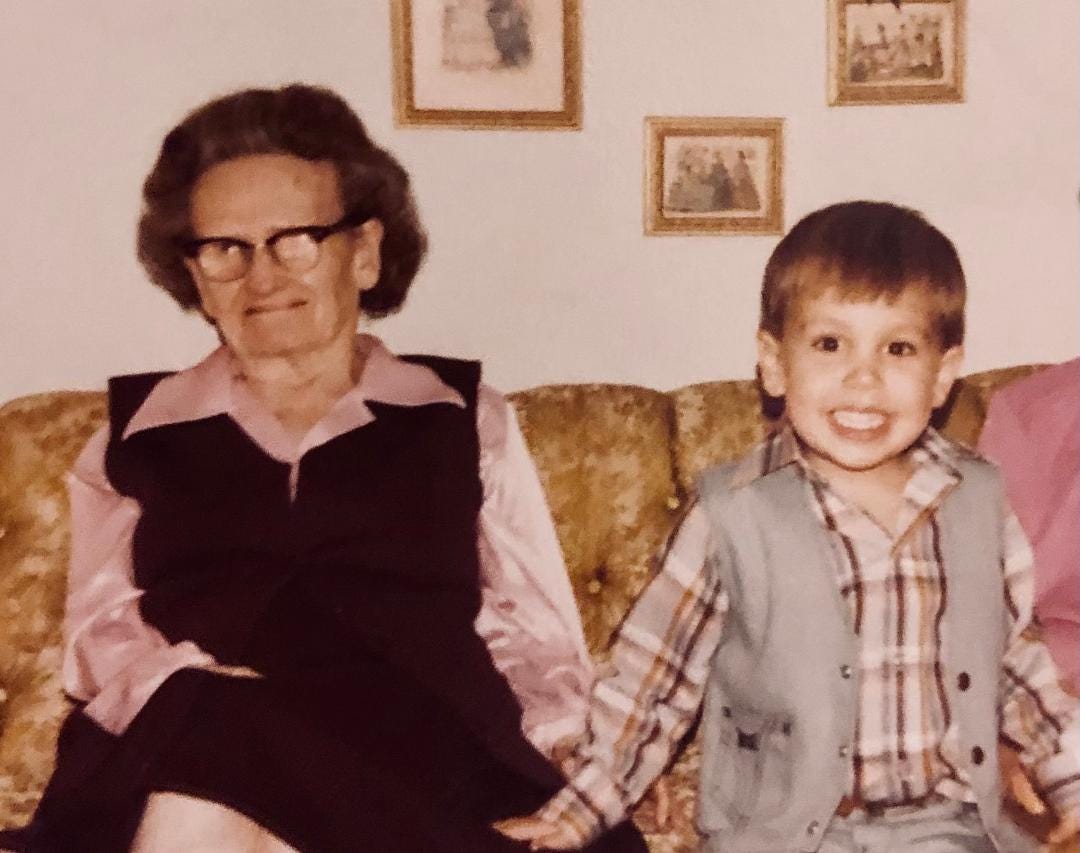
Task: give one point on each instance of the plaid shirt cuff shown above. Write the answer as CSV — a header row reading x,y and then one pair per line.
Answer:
x,y
588,806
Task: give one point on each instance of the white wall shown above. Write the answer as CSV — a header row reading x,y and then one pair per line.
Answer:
x,y
538,262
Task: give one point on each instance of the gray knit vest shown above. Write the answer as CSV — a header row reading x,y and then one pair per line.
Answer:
x,y
779,714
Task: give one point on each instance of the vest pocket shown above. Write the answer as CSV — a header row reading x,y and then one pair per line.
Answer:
x,y
748,774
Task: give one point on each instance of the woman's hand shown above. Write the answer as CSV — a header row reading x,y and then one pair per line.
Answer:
x,y
538,833
652,816
1060,833
1064,837
232,671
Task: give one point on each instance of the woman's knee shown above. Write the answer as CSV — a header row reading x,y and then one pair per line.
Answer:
x,y
178,823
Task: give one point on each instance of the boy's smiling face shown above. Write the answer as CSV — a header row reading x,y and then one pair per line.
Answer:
x,y
859,379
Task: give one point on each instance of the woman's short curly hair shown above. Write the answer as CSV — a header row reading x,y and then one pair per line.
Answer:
x,y
305,121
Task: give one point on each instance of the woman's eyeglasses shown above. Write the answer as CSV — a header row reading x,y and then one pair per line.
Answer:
x,y
297,249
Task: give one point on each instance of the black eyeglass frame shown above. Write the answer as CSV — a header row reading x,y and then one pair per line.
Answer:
x,y
319,233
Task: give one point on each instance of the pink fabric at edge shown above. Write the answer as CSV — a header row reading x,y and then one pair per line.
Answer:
x,y
1033,432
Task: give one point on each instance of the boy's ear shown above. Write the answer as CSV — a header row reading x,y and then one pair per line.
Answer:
x,y
948,371
367,262
769,366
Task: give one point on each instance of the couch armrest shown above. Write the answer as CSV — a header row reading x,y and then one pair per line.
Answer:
x,y
39,439
31,710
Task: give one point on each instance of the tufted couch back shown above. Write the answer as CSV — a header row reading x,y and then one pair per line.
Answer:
x,y
616,462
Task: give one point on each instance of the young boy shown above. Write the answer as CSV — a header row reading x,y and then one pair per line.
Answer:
x,y
851,601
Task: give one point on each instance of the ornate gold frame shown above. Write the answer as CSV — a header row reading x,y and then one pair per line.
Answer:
x,y
657,128
406,113
849,94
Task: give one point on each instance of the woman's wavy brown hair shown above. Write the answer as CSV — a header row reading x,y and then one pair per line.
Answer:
x,y
305,121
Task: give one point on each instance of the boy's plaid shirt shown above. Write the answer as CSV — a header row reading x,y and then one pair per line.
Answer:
x,y
893,586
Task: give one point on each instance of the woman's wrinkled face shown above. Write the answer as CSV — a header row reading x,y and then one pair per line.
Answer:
x,y
271,310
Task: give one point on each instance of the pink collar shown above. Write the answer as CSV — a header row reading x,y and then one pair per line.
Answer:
x,y
213,387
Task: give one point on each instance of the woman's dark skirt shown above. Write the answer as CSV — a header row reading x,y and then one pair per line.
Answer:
x,y
334,759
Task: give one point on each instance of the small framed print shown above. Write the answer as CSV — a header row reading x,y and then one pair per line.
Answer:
x,y
487,64
713,175
896,51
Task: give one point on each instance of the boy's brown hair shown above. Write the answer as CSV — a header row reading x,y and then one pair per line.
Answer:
x,y
865,250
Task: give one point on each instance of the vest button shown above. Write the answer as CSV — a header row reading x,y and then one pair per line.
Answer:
x,y
845,671
726,711
813,827
843,751
977,755
963,681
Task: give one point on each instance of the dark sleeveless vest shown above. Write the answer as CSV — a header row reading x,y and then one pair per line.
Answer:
x,y
375,557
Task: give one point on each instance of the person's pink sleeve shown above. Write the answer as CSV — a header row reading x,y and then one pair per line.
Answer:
x,y
1032,432
529,619
1005,440
113,660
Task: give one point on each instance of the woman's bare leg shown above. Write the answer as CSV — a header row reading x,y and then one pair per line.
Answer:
x,y
178,823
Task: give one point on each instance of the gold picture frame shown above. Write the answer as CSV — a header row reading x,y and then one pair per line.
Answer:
x,y
719,175
479,64
888,52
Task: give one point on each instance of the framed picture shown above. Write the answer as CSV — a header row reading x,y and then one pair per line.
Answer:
x,y
487,63
893,52
713,175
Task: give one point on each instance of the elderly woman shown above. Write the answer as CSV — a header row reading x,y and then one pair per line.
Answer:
x,y
316,602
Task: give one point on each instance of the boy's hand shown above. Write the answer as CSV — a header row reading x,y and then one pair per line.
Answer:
x,y
1061,834
1065,837
1016,783
539,833
654,813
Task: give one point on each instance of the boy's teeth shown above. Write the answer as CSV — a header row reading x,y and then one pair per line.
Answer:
x,y
859,420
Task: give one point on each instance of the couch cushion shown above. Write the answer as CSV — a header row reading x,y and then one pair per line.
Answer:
x,y
604,460
714,422
603,453
40,437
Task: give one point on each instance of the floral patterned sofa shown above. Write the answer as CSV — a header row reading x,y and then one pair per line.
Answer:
x,y
617,461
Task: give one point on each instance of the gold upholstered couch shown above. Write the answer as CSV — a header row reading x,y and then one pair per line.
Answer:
x,y
617,462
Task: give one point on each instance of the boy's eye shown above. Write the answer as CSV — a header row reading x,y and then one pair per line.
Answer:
x,y
826,343
901,348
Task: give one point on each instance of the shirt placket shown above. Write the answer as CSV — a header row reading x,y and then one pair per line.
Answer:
x,y
869,561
